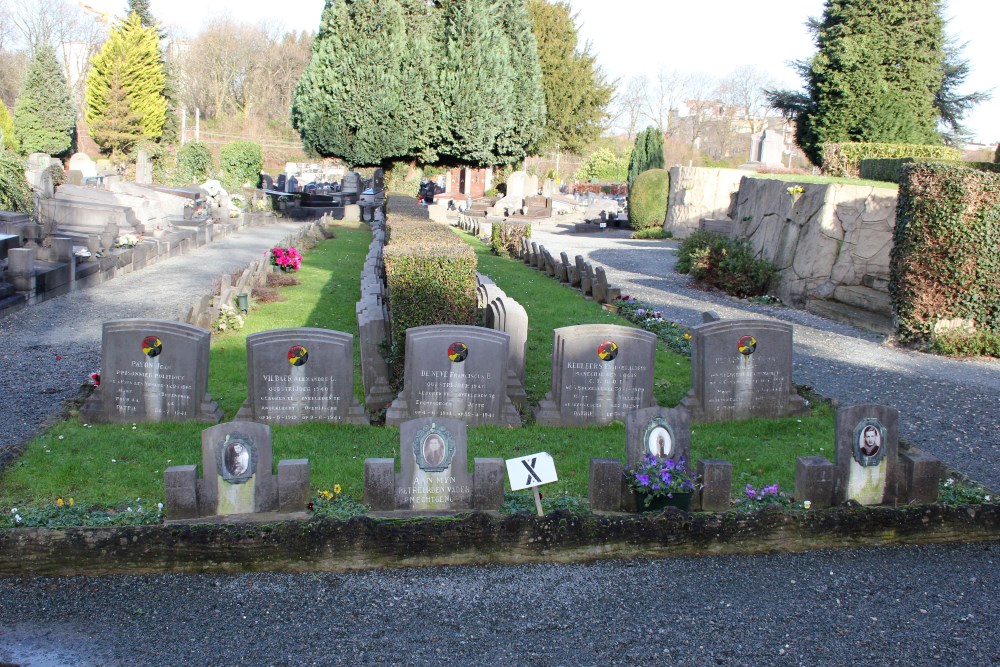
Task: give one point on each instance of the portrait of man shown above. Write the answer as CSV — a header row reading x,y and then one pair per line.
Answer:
x,y
433,449
870,441
237,459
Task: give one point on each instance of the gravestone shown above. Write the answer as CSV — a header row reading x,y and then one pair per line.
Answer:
x,y
152,370
867,452
661,432
772,146
455,371
517,187
742,369
236,462
143,168
300,375
81,162
600,373
586,276
433,473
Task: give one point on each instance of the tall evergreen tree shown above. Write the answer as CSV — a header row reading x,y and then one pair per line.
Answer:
x,y
141,8
878,69
129,59
576,92
44,115
528,125
646,154
119,128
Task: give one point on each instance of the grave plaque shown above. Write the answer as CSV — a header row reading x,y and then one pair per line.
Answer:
x,y
742,369
661,432
600,373
867,451
455,371
152,370
433,465
300,375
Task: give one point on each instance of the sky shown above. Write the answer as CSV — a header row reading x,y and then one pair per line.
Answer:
x,y
636,37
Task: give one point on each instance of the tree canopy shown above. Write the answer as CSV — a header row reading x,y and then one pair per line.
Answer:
x,y
44,116
880,74
646,154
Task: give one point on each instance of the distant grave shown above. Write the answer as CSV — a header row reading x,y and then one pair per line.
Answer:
x,y
152,370
742,369
455,371
433,472
236,462
600,373
299,375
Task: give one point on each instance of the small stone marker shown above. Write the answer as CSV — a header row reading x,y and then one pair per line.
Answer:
x,y
299,375
867,452
600,373
433,472
531,472
152,370
661,432
236,460
455,371
742,369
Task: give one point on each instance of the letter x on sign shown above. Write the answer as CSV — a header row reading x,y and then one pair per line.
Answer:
x,y
532,470
532,475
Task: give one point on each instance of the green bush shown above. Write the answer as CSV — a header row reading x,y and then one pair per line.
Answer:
x,y
15,193
945,260
887,169
724,262
194,163
241,162
505,239
647,200
844,159
652,233
431,279
980,343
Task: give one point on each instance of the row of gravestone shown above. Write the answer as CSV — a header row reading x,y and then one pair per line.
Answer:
x,y
372,311
592,281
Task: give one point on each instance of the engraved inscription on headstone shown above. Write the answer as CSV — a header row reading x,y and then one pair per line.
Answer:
x,y
152,370
299,375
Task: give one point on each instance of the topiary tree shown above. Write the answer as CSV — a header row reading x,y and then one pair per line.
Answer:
x,y
15,193
194,163
646,154
241,162
44,116
647,199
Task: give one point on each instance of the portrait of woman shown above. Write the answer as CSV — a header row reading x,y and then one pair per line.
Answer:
x,y
433,449
237,459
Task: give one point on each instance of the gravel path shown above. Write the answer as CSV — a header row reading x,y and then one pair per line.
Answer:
x,y
47,351
947,406
933,605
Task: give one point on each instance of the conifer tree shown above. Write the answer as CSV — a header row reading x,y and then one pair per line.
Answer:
x,y
129,59
646,154
141,8
7,128
44,115
119,128
528,126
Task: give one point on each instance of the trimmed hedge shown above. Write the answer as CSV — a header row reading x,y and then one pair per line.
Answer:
x,y
945,261
505,239
647,201
241,162
887,169
430,275
844,159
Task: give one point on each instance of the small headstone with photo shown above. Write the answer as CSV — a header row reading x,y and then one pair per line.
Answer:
x,y
867,452
152,370
300,375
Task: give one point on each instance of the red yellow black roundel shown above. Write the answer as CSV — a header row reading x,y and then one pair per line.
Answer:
x,y
151,346
458,351
747,345
607,350
297,355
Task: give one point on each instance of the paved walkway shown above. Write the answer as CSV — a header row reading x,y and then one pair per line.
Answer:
x,y
947,407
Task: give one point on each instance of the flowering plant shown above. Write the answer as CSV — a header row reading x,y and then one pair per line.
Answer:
x,y
756,497
286,259
794,190
673,335
128,240
656,477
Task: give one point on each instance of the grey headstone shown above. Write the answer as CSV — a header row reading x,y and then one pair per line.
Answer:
x,y
180,486
815,477
488,483
716,477
742,369
600,373
605,488
455,371
867,451
380,484
920,477
656,431
236,463
433,466
152,370
300,375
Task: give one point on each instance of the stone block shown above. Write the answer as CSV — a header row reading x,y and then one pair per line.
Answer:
x,y
605,490
380,484
717,477
487,484
352,213
293,485
814,480
921,477
180,485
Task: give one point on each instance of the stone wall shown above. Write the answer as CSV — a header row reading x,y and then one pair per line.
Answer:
x,y
831,244
696,194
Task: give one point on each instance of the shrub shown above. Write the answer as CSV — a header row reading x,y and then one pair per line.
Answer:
x,y
194,163
724,262
979,343
652,233
431,279
15,193
241,162
844,159
647,201
505,239
945,261
887,169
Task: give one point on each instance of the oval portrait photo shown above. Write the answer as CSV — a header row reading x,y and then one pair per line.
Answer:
x,y
433,449
237,459
870,441
659,443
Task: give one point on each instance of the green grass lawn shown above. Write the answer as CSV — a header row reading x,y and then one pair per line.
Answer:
x,y
113,465
805,178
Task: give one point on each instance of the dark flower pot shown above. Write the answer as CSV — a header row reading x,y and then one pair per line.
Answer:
x,y
680,500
